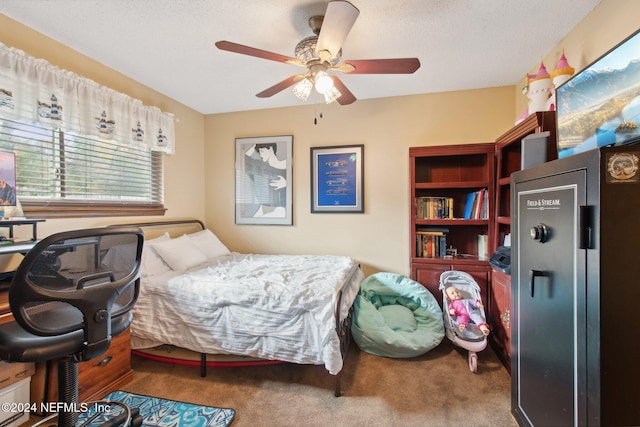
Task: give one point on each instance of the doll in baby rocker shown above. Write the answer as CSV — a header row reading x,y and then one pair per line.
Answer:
x,y
465,310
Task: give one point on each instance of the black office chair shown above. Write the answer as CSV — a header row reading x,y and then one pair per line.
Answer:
x,y
69,296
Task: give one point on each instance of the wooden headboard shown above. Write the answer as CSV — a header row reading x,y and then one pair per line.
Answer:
x,y
175,228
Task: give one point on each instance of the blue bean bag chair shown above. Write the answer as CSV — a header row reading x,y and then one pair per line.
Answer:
x,y
395,316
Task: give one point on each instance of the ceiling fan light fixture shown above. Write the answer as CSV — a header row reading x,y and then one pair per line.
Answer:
x,y
323,83
305,52
306,49
323,52
303,89
332,95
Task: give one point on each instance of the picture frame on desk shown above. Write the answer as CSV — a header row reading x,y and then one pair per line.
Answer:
x,y
7,179
337,179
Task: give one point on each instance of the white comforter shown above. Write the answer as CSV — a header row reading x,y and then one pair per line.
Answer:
x,y
278,307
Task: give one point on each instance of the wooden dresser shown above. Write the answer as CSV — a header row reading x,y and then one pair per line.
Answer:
x,y
96,377
104,374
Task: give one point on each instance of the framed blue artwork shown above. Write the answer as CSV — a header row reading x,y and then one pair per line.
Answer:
x,y
337,179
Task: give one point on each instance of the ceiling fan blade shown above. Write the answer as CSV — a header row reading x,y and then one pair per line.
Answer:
x,y
380,66
346,96
259,53
279,87
338,20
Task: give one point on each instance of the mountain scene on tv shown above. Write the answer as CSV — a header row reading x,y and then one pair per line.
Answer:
x,y
600,106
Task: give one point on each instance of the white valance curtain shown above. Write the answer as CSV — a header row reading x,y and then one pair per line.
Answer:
x,y
36,91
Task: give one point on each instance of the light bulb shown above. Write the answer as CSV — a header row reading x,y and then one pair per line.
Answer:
x,y
324,83
332,95
303,89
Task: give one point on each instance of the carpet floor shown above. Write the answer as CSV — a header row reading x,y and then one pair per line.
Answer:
x,y
436,389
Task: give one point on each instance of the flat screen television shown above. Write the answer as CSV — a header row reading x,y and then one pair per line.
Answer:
x,y
600,105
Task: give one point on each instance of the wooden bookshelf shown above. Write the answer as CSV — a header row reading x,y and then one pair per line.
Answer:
x,y
452,173
508,148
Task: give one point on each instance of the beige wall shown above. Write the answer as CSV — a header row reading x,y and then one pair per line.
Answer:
x,y
184,186
379,238
203,186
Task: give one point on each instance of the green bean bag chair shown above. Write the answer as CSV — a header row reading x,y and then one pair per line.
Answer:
x,y
395,316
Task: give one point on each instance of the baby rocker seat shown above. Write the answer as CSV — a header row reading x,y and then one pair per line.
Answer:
x,y
395,316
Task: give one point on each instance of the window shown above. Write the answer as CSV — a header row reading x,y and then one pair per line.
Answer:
x,y
63,174
81,149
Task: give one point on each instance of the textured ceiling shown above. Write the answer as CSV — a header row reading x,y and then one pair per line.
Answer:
x,y
168,45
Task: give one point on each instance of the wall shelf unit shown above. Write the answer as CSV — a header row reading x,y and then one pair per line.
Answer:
x,y
508,148
443,182
508,160
451,173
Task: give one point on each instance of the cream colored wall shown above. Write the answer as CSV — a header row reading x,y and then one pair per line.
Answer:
x,y
387,127
607,25
184,186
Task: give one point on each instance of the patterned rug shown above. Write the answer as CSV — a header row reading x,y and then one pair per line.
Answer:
x,y
158,412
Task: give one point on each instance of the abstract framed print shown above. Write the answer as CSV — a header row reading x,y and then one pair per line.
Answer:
x,y
264,180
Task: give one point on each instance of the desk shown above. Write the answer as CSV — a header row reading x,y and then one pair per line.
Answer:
x,y
11,223
69,245
7,248
5,277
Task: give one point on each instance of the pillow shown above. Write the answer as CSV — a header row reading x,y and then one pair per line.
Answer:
x,y
180,253
151,263
208,243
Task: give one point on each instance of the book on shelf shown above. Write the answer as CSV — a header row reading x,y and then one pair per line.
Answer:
x,y
434,207
468,207
431,244
477,205
439,231
483,246
484,213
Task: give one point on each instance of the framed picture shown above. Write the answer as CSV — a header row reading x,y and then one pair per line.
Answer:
x,y
7,179
264,180
337,179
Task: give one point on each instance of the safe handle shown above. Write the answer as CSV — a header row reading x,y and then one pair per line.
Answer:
x,y
585,221
532,279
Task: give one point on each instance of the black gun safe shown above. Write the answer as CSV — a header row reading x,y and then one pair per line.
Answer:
x,y
576,290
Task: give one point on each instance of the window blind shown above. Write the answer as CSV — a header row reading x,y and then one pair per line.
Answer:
x,y
58,169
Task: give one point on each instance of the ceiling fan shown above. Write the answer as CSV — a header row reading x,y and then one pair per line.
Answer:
x,y
323,52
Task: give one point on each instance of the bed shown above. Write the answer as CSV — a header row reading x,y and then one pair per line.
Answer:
x,y
197,295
